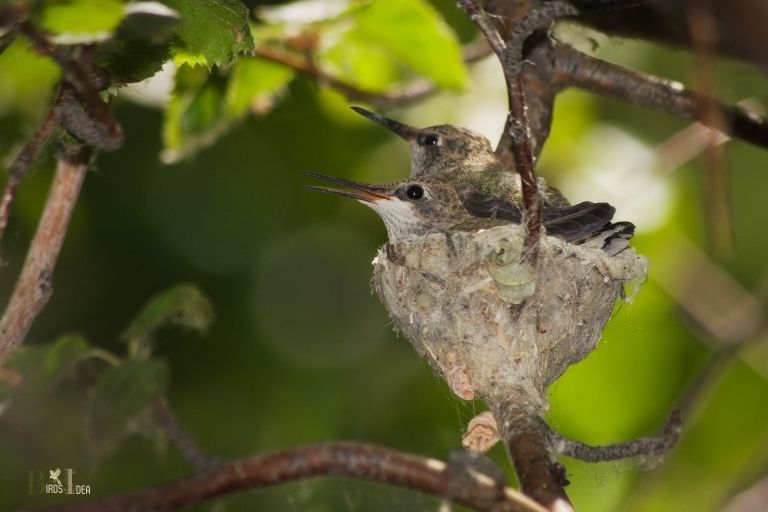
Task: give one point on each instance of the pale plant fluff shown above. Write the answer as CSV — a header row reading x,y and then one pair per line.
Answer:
x,y
495,328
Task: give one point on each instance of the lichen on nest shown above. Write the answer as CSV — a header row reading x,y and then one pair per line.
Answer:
x,y
491,326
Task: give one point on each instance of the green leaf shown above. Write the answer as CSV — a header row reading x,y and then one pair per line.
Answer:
x,y
196,115
183,305
254,84
141,44
357,59
40,368
26,79
81,21
119,397
132,60
414,33
212,32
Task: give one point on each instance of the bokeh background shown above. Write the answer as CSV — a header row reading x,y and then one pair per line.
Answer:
x,y
301,351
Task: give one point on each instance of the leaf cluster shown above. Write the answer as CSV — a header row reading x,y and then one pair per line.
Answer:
x,y
120,388
213,48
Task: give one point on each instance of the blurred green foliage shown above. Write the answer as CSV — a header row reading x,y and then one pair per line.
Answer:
x,y
300,351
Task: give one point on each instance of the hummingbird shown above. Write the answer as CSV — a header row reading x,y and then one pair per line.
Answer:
x,y
418,206
463,157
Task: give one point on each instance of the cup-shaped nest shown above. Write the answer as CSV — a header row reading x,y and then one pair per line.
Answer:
x,y
491,326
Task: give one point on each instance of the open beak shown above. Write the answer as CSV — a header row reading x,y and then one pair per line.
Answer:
x,y
364,192
403,130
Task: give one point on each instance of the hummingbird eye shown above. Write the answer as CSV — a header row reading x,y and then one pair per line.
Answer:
x,y
429,140
414,192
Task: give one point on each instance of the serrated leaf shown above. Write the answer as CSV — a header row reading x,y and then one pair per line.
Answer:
x,y
141,44
120,395
132,60
81,21
414,33
212,32
182,306
254,84
196,115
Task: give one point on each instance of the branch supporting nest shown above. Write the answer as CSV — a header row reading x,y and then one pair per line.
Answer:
x,y
526,438
509,52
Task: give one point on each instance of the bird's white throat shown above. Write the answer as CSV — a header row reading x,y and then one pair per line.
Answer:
x,y
400,218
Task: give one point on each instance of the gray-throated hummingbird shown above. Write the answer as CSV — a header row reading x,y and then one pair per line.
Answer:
x,y
462,157
423,205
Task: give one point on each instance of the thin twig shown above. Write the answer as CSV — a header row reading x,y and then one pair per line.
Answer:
x,y
21,164
518,125
34,286
642,447
407,94
178,435
510,56
521,149
480,18
472,488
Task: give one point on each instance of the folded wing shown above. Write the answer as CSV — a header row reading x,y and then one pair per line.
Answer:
x,y
585,223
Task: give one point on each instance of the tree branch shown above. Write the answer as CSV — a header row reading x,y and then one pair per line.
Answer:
x,y
407,94
468,486
21,164
576,69
526,437
34,287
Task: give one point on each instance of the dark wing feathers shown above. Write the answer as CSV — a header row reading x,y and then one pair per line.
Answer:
x,y
577,224
481,205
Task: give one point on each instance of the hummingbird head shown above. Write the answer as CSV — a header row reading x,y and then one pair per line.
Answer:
x,y
440,150
413,207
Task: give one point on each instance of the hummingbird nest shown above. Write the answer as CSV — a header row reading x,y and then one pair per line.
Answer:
x,y
493,327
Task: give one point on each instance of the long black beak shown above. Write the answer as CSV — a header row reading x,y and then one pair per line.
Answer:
x,y
403,130
365,192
